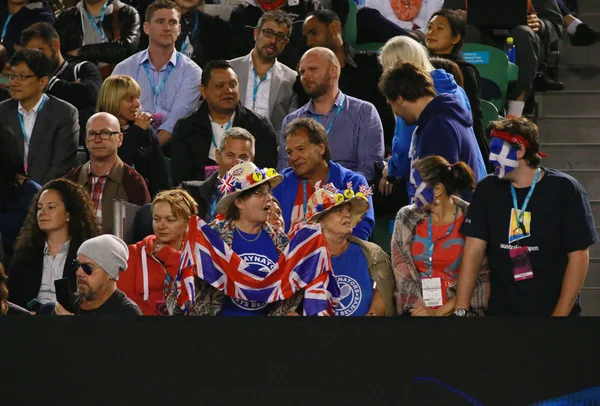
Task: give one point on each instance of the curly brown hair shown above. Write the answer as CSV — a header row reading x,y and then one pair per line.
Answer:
x,y
82,220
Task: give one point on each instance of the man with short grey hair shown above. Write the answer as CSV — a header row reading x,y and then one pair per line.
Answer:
x,y
236,145
266,85
99,262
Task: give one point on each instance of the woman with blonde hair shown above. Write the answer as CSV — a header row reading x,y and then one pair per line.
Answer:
x,y
154,262
406,49
120,96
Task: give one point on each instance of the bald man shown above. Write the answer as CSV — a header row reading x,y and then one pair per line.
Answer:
x,y
105,176
353,127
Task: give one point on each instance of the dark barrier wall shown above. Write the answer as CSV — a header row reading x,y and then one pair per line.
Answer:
x,y
295,361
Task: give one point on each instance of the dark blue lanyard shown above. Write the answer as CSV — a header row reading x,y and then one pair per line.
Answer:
x,y
431,243
5,26
93,22
23,123
158,91
304,193
257,84
337,112
227,127
184,44
521,213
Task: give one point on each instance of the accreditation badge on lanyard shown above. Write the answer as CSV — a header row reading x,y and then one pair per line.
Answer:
x,y
520,228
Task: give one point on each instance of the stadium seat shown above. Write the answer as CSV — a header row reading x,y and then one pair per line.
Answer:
x,y
492,64
124,220
489,111
382,232
350,32
168,166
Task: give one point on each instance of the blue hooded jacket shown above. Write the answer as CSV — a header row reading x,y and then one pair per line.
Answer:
x,y
399,163
287,191
444,129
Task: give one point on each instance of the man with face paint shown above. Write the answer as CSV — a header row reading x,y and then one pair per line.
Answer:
x,y
535,225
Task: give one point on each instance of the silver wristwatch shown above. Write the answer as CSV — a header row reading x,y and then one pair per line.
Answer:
x,y
460,312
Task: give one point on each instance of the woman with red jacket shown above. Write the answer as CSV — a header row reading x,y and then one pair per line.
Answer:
x,y
154,262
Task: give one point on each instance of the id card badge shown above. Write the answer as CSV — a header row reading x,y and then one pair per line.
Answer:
x,y
521,263
209,170
518,231
432,292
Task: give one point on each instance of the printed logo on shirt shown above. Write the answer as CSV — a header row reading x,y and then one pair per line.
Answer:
x,y
513,247
350,296
264,265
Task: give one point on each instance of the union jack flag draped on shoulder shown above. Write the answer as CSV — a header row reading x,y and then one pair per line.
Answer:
x,y
304,264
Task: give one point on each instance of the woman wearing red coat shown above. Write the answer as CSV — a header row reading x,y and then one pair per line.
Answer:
x,y
154,262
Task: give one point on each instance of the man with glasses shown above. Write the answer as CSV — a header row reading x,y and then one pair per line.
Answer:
x,y
266,85
245,17
169,80
46,127
105,176
99,262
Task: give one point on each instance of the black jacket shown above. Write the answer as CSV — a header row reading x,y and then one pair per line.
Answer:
x,y
34,12
192,137
202,191
141,150
77,82
25,274
244,18
212,39
70,30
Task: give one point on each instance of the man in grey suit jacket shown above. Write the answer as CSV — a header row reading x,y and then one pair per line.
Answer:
x,y
46,127
266,85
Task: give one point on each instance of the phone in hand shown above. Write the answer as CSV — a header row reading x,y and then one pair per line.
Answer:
x,y
63,294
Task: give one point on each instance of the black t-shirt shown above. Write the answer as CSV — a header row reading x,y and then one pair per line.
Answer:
x,y
117,304
561,222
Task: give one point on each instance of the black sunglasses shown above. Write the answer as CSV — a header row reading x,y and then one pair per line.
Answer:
x,y
86,267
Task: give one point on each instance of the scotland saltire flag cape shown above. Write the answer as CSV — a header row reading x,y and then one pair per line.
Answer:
x,y
304,264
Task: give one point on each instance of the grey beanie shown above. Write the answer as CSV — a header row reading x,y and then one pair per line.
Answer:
x,y
108,251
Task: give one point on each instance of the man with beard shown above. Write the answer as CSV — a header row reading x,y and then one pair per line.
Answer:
x,y
73,81
352,126
534,224
197,136
266,85
99,262
203,37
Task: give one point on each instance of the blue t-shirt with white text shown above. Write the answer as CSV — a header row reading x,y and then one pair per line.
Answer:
x,y
356,287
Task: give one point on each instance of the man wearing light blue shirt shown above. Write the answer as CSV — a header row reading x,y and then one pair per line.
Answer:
x,y
169,80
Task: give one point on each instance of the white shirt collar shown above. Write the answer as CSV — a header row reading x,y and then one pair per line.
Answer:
x,y
34,109
146,57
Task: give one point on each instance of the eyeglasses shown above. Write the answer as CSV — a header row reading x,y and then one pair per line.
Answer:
x,y
87,268
104,135
261,193
281,37
20,78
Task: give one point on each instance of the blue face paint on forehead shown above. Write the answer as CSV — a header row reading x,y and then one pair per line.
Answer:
x,y
423,193
503,156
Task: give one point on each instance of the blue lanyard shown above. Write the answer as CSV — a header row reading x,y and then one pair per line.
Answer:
x,y
431,243
257,84
23,123
99,30
304,207
158,91
521,213
5,26
227,127
184,44
337,112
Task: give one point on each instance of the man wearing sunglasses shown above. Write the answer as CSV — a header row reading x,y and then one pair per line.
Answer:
x,y
99,262
266,85
105,176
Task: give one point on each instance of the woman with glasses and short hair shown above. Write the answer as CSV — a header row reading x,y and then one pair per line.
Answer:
x,y
60,218
120,96
154,262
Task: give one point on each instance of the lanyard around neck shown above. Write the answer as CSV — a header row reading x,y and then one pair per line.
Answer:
x,y
227,127
337,112
431,243
5,27
27,138
98,27
257,83
191,35
521,213
158,90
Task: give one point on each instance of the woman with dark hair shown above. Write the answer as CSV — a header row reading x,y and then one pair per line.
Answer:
x,y
444,38
16,191
60,218
427,245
